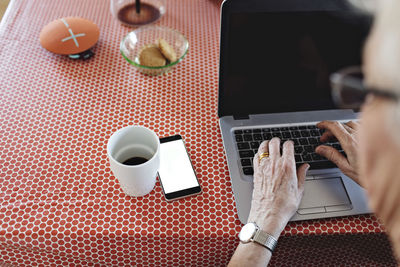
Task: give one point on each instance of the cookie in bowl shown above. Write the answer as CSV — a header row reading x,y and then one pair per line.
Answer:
x,y
172,46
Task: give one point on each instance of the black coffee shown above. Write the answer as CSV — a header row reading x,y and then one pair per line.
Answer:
x,y
135,161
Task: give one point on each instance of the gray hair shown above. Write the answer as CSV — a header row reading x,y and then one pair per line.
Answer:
x,y
366,5
383,10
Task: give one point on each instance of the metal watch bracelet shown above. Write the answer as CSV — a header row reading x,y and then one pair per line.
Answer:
x,y
252,233
265,240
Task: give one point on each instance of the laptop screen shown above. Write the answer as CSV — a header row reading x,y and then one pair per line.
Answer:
x,y
281,62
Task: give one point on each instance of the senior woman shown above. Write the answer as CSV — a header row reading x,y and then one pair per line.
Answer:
x,y
372,147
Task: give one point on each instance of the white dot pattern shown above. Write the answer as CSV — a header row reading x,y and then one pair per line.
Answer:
x,y
60,203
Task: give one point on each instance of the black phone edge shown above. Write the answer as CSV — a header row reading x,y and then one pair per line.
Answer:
x,y
170,138
183,193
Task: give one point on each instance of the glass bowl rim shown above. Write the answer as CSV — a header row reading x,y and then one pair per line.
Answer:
x,y
155,27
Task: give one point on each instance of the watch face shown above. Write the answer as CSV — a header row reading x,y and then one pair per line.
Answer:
x,y
247,232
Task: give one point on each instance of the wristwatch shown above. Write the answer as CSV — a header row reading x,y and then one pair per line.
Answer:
x,y
252,233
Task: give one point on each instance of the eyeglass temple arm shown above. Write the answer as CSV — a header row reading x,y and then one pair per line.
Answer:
x,y
359,84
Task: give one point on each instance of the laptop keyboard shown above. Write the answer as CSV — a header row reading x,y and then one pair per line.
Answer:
x,y
305,138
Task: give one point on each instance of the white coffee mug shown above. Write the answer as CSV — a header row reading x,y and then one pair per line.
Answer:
x,y
127,146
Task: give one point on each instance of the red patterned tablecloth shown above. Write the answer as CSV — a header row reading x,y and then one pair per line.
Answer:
x,y
60,203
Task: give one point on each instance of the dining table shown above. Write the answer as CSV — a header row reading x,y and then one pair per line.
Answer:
x,y
61,205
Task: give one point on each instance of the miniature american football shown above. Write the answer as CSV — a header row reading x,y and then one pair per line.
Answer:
x,y
69,35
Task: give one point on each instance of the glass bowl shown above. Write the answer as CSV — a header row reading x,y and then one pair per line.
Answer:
x,y
133,43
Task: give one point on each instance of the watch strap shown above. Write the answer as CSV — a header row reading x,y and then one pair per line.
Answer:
x,y
265,240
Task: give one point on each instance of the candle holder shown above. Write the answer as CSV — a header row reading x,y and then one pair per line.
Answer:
x,y
137,13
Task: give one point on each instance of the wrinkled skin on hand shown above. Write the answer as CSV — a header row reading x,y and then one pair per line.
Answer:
x,y
278,186
346,134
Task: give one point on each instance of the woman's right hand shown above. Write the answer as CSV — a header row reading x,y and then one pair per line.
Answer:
x,y
345,133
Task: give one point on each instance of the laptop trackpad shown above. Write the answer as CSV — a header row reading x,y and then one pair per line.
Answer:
x,y
324,195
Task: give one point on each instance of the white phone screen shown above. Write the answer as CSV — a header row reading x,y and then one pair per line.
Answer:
x,y
176,171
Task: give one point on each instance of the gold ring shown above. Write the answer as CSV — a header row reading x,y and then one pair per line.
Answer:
x,y
263,155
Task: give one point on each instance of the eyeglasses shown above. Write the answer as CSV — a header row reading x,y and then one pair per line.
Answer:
x,y
349,90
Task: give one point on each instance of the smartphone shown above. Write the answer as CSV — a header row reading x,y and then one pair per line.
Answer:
x,y
177,176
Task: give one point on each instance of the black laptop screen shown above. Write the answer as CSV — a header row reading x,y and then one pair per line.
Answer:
x,y
281,62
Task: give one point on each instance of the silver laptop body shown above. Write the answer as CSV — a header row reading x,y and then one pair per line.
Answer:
x,y
328,192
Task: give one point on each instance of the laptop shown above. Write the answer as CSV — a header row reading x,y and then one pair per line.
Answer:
x,y
276,57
